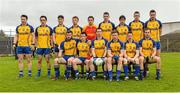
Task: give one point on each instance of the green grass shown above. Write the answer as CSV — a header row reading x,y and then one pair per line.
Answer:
x,y
170,80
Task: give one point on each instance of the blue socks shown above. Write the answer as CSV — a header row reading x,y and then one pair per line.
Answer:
x,y
125,70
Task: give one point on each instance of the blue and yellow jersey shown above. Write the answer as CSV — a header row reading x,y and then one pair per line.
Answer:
x,y
115,47
123,31
99,46
24,35
76,31
107,29
69,47
83,49
131,48
155,27
137,30
60,33
43,35
147,46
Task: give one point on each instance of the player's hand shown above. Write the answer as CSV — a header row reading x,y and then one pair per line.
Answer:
x,y
32,47
14,46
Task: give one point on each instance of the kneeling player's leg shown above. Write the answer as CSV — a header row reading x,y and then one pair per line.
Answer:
x,y
137,67
141,62
69,66
75,63
105,68
119,66
125,67
87,62
92,68
109,67
158,66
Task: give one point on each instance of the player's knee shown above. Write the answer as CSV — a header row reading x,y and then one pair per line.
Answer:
x,y
136,61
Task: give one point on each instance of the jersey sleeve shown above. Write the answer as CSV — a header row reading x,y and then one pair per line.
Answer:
x,y
108,45
140,43
54,30
113,25
137,46
32,29
145,24
92,45
160,24
51,31
61,46
17,29
36,32
123,45
154,43
99,25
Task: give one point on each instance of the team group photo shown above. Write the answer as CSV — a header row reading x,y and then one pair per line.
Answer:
x,y
91,56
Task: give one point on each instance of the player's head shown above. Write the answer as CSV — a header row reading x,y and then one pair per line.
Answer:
x,y
60,19
152,14
68,35
43,20
129,35
91,20
106,16
83,36
99,32
146,32
75,20
136,15
24,19
122,19
114,35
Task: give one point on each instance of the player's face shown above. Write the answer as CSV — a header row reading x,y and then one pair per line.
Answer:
x,y
152,15
90,21
99,32
129,36
115,36
122,20
147,33
60,20
75,21
23,20
106,17
83,37
68,36
43,21
136,16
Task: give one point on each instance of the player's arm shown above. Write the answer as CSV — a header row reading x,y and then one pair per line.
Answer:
x,y
15,39
121,53
109,53
137,54
154,52
105,52
125,54
140,50
35,37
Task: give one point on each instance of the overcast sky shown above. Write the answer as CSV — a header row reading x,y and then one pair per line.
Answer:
x,y
10,10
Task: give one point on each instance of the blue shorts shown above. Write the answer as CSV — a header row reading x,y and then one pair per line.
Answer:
x,y
66,57
56,49
43,51
82,59
116,58
158,45
23,50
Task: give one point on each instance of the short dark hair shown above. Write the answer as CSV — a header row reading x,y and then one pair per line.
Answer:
x,y
122,16
91,17
136,12
84,33
130,32
98,29
24,16
43,17
145,29
106,13
152,11
69,31
114,31
75,17
61,16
